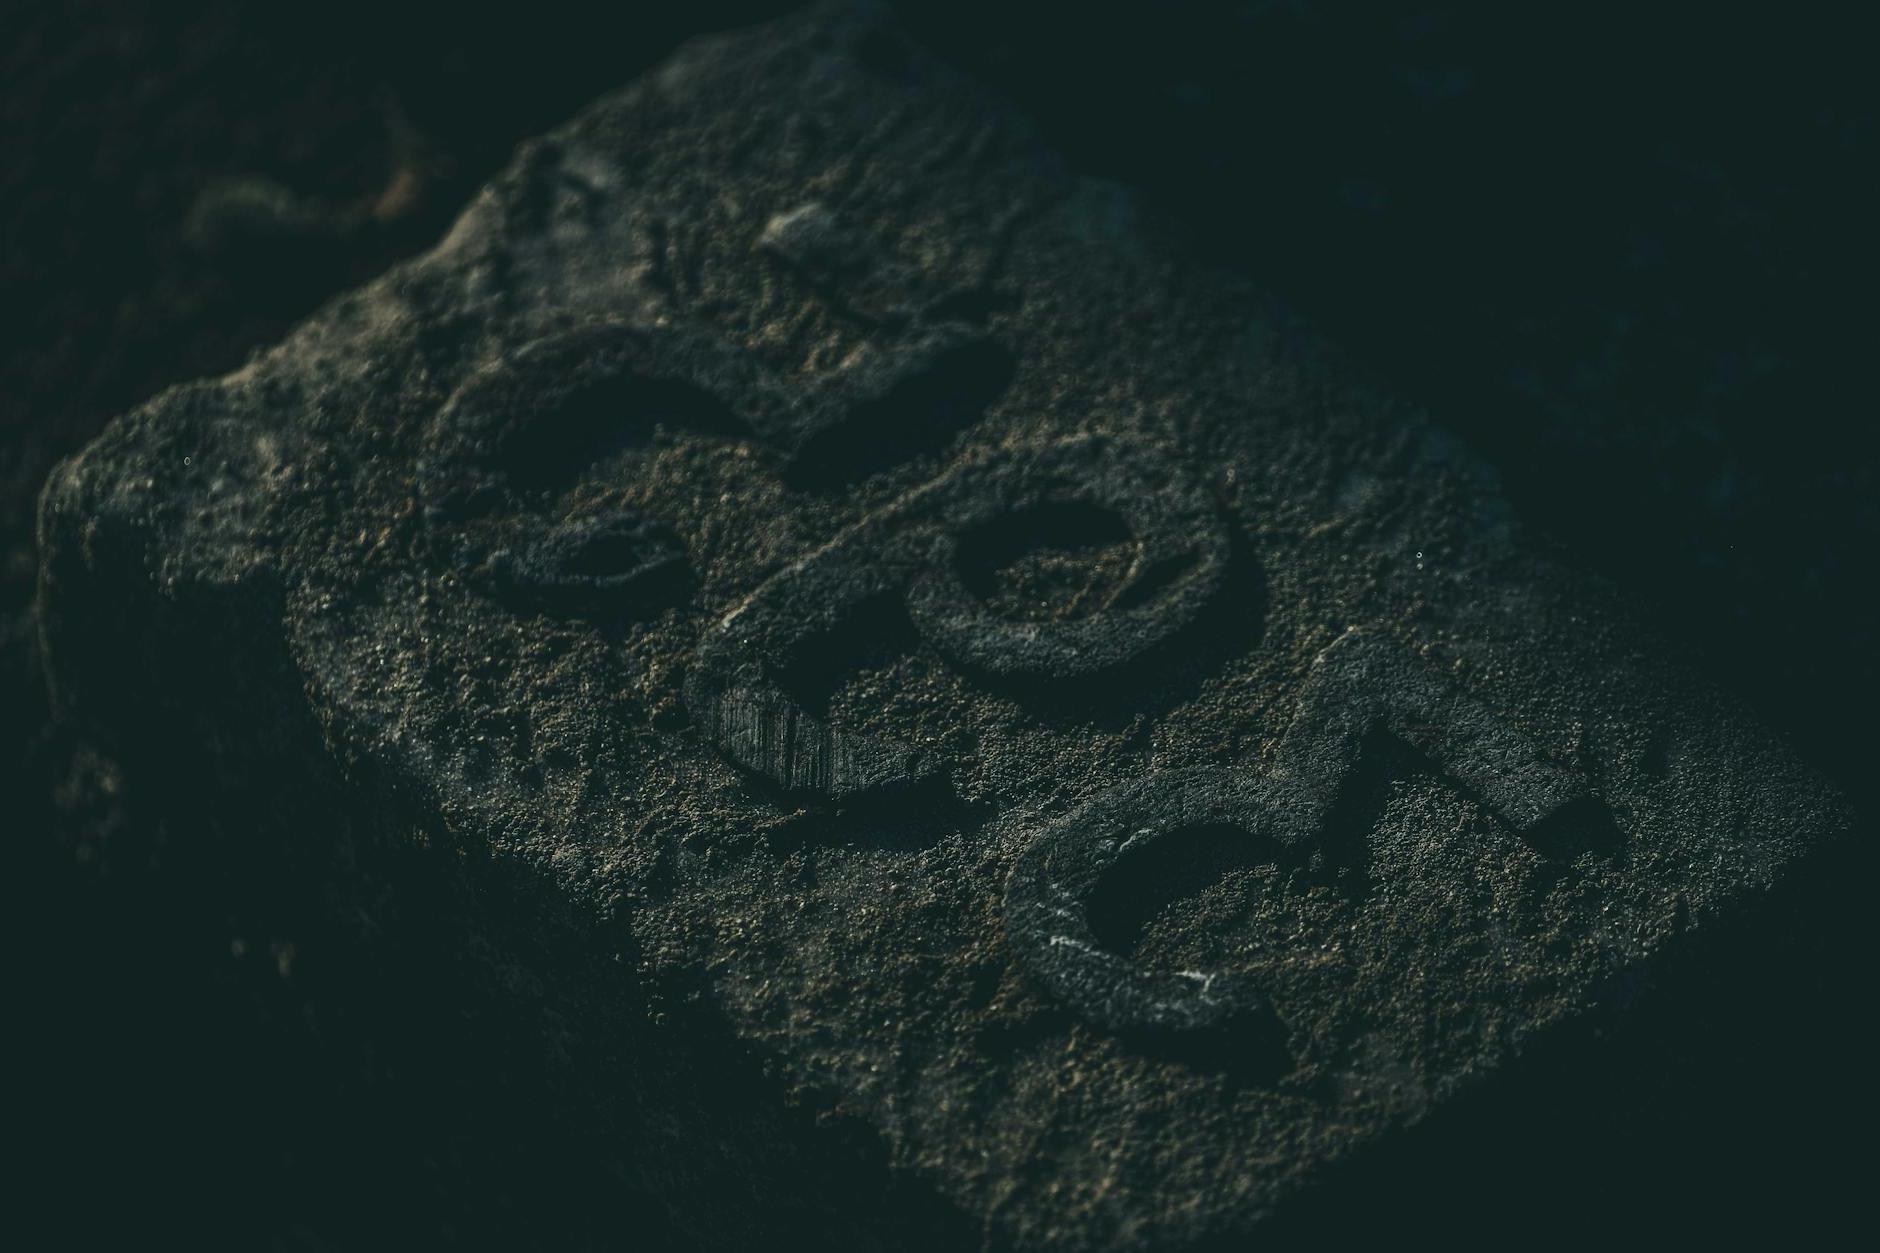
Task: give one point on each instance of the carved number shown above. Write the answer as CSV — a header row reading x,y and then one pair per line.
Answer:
x,y
911,549
1360,683
519,434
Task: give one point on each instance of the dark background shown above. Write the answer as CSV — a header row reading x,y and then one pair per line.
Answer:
x,y
1626,250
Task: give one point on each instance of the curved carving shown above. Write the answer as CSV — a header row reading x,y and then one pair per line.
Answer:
x,y
517,435
1360,683
911,549
1176,526
1047,899
534,422
614,563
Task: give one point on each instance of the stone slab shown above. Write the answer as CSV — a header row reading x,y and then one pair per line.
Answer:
x,y
992,708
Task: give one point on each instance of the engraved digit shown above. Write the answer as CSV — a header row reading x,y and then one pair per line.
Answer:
x,y
911,549
1361,682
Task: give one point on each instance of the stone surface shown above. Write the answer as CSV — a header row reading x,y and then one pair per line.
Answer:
x,y
931,693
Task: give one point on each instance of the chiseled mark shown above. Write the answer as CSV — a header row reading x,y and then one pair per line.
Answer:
x,y
908,551
1362,681
615,564
770,735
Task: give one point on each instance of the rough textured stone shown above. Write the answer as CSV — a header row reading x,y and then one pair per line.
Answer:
x,y
940,698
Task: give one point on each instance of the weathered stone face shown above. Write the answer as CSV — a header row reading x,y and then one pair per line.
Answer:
x,y
1006,680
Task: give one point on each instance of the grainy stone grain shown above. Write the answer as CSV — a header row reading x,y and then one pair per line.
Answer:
x,y
698,542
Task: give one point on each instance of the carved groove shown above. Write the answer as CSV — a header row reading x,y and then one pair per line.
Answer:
x,y
1055,897
909,550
